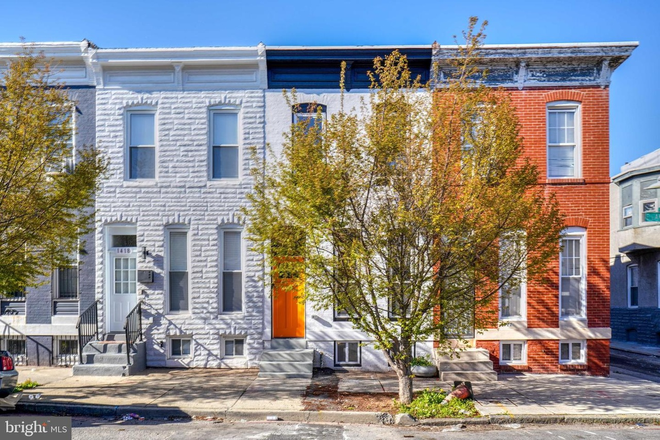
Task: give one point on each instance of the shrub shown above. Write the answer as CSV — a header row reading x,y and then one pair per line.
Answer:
x,y
28,384
428,404
421,361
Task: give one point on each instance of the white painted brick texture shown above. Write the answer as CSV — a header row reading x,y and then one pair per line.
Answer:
x,y
183,194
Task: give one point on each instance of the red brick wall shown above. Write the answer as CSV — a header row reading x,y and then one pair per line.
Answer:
x,y
543,357
584,201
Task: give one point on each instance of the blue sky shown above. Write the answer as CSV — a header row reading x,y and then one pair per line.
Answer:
x,y
140,23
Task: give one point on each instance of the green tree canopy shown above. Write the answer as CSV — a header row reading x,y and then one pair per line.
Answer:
x,y
414,211
46,192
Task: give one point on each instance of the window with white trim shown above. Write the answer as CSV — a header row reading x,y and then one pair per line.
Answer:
x,y
232,271
311,115
69,152
141,144
224,144
513,291
563,136
513,352
572,280
632,281
180,347
178,270
234,347
348,353
626,206
648,198
572,352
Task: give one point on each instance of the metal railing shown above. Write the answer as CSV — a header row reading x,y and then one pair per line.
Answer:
x,y
133,329
88,327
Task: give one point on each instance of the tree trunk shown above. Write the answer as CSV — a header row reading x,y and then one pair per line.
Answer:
x,y
405,383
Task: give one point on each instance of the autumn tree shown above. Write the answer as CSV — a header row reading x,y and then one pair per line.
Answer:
x,y
46,190
410,214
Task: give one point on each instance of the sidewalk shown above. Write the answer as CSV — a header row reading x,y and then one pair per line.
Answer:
x,y
240,395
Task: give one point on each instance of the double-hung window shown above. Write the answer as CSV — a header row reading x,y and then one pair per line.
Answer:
x,y
648,198
141,145
512,352
347,353
232,271
311,115
633,285
178,270
513,291
224,144
563,140
572,282
572,352
627,206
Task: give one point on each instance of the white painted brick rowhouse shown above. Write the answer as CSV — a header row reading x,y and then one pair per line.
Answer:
x,y
180,91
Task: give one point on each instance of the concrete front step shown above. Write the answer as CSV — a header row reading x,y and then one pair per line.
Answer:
x,y
471,354
286,367
288,344
99,370
104,347
285,375
116,336
472,376
105,358
306,355
462,365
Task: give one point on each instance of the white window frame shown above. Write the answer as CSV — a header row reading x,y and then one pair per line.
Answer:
x,y
168,248
127,148
304,106
172,338
581,233
348,363
576,107
221,263
239,134
234,338
642,219
629,286
523,353
583,352
523,291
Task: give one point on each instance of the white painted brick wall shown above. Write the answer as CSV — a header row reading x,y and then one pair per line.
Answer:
x,y
183,194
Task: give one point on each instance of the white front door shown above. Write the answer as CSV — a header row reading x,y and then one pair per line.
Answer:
x,y
122,288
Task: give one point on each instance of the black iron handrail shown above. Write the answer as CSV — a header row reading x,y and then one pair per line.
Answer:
x,y
133,328
88,327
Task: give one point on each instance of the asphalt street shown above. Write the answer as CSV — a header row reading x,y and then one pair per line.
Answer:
x,y
100,429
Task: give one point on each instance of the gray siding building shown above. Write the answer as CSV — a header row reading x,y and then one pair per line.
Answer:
x,y
635,251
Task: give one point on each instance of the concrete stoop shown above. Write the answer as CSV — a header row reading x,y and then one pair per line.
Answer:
x,y
108,357
287,358
473,365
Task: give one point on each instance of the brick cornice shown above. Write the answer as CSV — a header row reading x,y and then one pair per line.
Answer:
x,y
577,221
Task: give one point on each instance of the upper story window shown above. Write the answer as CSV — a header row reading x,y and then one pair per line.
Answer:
x,y
312,115
648,198
66,282
572,280
563,137
178,270
513,302
69,155
224,144
141,145
626,206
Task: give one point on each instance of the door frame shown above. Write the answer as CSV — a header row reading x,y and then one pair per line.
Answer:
x,y
108,269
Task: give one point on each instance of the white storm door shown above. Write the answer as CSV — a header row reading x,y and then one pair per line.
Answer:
x,y
123,288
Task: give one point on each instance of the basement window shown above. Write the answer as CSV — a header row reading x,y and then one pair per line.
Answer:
x,y
572,352
348,353
235,347
513,352
180,347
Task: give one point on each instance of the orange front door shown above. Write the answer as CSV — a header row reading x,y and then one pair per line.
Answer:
x,y
288,309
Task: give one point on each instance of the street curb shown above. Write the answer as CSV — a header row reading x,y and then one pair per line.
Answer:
x,y
322,416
